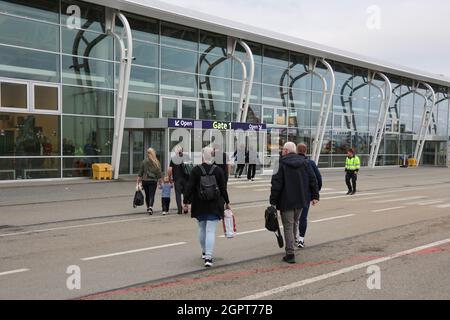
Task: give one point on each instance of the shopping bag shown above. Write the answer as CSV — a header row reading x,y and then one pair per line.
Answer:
x,y
138,199
229,224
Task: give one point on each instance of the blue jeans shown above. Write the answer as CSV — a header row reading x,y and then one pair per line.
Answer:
x,y
207,236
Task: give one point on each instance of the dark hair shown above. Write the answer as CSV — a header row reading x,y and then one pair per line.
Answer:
x,y
351,150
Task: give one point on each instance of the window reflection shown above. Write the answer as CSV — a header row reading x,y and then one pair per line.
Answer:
x,y
29,135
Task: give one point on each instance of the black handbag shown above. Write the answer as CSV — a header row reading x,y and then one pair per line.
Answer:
x,y
138,199
271,218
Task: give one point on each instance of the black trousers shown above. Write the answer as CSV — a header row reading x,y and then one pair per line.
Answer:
x,y
251,171
350,180
239,169
165,204
180,188
150,190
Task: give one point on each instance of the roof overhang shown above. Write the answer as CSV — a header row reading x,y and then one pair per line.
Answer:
x,y
167,12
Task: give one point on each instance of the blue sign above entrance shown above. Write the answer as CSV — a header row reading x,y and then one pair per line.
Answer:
x,y
219,125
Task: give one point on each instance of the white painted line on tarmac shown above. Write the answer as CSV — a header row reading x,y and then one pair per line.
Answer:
x,y
302,283
71,227
387,209
13,272
253,186
443,206
401,199
428,203
332,218
281,227
246,232
348,196
133,251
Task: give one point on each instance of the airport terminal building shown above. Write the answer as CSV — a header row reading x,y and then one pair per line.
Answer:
x,y
63,82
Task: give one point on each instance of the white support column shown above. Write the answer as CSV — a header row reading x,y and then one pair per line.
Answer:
x,y
324,113
126,58
386,95
426,119
249,81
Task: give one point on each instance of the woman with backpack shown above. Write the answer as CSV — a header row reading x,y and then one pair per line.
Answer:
x,y
150,175
207,193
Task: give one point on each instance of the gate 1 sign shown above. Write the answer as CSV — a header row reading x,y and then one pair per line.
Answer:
x,y
219,125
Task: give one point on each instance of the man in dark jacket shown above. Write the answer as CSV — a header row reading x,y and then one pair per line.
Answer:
x,y
207,212
289,193
177,175
303,223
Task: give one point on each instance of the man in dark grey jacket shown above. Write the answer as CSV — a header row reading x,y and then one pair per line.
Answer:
x,y
289,193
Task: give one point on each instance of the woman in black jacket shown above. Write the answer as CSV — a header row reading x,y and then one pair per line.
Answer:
x,y
207,212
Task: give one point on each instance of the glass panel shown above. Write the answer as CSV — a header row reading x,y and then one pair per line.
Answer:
x,y
342,141
344,78
92,16
87,44
237,71
29,135
178,84
29,34
29,64
142,106
361,143
268,116
300,99
299,118
256,51
81,167
281,118
275,76
37,9
215,88
276,57
46,98
215,66
419,105
145,54
142,79
88,101
275,96
215,110
13,95
138,150
254,114
169,108
142,28
179,36
212,43
300,78
189,109
85,72
178,60
91,137
255,96
29,168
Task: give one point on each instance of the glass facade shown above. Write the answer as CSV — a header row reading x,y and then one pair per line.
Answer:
x,y
58,83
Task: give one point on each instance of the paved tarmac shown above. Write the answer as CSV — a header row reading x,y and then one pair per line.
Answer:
x,y
44,229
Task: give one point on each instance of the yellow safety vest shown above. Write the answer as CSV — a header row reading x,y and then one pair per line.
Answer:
x,y
352,164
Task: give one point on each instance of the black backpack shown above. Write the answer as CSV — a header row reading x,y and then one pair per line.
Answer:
x,y
138,199
271,217
208,189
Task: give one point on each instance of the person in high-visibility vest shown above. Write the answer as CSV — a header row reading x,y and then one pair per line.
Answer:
x,y
352,166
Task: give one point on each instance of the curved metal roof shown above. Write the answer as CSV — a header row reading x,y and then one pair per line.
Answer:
x,y
167,12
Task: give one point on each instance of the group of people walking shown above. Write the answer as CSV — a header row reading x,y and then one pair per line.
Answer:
x,y
294,187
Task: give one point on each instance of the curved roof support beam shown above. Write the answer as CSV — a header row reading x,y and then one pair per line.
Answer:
x,y
324,112
386,95
247,82
426,118
125,41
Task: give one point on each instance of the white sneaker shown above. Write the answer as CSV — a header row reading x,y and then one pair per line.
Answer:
x,y
208,263
164,213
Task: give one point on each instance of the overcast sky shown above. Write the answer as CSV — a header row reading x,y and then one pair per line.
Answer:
x,y
413,33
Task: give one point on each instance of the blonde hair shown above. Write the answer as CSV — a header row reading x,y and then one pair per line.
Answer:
x,y
151,153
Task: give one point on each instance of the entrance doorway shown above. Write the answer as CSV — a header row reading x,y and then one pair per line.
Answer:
x,y
435,154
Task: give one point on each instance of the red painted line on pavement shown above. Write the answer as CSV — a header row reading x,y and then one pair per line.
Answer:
x,y
236,275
